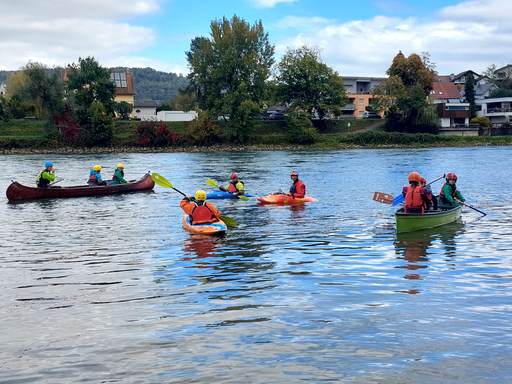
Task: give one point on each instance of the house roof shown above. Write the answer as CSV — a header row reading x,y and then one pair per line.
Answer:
x,y
122,79
444,91
147,104
443,79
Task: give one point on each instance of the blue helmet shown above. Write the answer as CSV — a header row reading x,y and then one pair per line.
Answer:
x,y
48,164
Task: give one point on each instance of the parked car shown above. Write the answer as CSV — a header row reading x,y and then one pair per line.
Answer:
x,y
277,116
371,115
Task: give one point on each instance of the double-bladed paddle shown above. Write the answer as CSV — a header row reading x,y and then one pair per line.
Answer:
x,y
163,182
212,183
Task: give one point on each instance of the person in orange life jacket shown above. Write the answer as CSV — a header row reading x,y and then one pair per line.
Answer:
x,y
95,176
416,199
199,209
298,188
235,187
46,176
428,188
118,177
450,196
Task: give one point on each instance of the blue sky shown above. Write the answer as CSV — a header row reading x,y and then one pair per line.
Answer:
x,y
355,37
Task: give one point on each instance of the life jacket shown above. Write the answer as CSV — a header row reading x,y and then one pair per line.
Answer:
x,y
40,181
413,199
115,177
232,186
295,186
92,179
444,200
202,214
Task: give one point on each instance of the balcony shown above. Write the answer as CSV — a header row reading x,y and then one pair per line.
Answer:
x,y
349,107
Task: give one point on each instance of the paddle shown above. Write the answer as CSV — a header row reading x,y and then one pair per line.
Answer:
x,y
56,181
212,183
469,206
163,182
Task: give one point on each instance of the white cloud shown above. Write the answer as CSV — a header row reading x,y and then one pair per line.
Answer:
x,y
455,43
269,3
58,32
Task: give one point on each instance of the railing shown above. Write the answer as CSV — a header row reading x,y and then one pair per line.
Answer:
x,y
497,110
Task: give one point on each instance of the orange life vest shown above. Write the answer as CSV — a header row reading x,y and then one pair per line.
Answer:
x,y
413,199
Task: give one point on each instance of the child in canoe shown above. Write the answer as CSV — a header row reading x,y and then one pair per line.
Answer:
x,y
199,209
416,199
428,188
450,196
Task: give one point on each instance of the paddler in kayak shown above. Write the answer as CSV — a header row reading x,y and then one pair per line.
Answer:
x,y
199,209
118,177
235,186
416,198
298,188
450,196
46,176
428,189
95,176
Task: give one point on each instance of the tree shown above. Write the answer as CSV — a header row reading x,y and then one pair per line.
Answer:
x,y
92,97
429,65
182,102
403,96
309,84
470,94
230,69
124,109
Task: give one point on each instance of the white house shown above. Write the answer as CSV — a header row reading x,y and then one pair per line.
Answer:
x,y
144,108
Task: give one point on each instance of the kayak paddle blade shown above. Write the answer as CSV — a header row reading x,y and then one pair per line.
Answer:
x,y
243,197
230,223
162,181
211,183
399,199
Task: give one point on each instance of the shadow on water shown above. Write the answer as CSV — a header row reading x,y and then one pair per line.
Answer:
x,y
414,248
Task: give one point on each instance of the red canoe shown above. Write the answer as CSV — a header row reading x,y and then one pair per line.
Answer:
x,y
17,191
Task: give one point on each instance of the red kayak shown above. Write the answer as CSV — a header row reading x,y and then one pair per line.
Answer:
x,y
284,199
18,192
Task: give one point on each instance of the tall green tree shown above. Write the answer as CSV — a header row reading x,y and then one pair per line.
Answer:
x,y
404,96
92,97
310,85
230,70
470,94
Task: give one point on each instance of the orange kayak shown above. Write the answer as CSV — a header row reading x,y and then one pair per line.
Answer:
x,y
284,199
216,228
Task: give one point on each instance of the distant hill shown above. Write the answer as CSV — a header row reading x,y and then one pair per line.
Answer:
x,y
149,83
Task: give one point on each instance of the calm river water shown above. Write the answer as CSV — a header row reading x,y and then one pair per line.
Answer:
x,y
112,289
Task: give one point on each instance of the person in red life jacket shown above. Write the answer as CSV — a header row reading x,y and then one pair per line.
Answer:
x,y
428,188
95,176
118,177
450,196
298,188
235,186
416,199
199,209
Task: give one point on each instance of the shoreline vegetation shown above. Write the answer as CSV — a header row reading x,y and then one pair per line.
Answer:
x,y
30,137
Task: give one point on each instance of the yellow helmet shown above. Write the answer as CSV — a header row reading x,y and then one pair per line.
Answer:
x,y
200,195
97,168
120,165
239,186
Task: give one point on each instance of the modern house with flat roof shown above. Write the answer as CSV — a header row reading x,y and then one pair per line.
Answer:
x,y
359,92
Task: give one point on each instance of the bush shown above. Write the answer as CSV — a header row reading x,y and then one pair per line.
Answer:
x,y
300,129
156,134
202,131
483,122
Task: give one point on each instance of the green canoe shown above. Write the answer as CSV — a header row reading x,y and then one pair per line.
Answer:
x,y
408,222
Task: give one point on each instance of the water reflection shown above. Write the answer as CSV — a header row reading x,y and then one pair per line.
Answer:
x,y
414,248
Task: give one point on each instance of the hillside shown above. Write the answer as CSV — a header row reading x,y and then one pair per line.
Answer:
x,y
149,83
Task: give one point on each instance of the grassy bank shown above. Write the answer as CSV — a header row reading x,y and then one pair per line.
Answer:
x,y
31,134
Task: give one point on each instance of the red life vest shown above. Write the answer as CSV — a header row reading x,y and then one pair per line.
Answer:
x,y
115,177
92,179
232,188
454,190
413,199
202,214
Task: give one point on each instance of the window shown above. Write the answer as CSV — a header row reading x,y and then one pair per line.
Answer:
x,y
361,101
137,111
119,79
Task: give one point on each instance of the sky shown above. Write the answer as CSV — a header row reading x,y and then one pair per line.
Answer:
x,y
355,38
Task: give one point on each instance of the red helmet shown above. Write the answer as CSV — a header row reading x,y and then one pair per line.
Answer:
x,y
234,176
294,174
423,180
451,176
414,176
